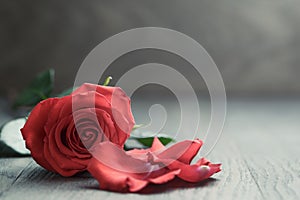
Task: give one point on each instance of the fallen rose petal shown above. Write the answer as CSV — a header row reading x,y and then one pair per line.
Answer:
x,y
131,171
203,169
142,154
116,171
165,178
183,151
114,180
193,173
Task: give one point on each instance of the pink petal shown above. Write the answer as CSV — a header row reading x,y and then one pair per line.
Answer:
x,y
203,169
117,171
183,151
88,87
114,180
122,171
119,103
142,154
194,173
165,178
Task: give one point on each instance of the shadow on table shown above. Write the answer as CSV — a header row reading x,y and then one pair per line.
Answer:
x,y
170,186
85,180
175,184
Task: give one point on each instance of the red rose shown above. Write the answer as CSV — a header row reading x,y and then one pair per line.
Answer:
x,y
59,131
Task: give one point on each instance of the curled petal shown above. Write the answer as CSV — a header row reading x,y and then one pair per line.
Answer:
x,y
183,151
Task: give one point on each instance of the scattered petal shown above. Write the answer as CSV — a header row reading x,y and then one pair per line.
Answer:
x,y
131,171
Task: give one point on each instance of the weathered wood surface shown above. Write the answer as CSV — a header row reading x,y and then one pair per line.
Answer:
x,y
259,150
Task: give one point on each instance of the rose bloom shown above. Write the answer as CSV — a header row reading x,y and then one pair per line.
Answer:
x,y
60,131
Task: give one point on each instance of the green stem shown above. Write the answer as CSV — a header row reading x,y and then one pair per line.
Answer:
x,y
107,80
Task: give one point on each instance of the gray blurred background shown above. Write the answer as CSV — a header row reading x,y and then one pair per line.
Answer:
x,y
255,43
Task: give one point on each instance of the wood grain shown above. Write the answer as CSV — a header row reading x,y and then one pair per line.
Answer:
x,y
11,169
259,151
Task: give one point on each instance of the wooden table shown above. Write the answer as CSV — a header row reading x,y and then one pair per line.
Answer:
x,y
259,150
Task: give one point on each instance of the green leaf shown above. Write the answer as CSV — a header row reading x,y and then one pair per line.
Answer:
x,y
126,148
147,141
11,140
39,89
66,92
140,142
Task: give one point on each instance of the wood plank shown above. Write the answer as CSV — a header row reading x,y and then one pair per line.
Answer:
x,y
274,164
234,182
277,178
244,176
10,170
259,150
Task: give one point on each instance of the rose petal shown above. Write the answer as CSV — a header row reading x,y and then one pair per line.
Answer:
x,y
114,180
119,103
191,173
33,133
168,176
118,171
88,87
122,171
58,159
156,147
183,151
115,157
